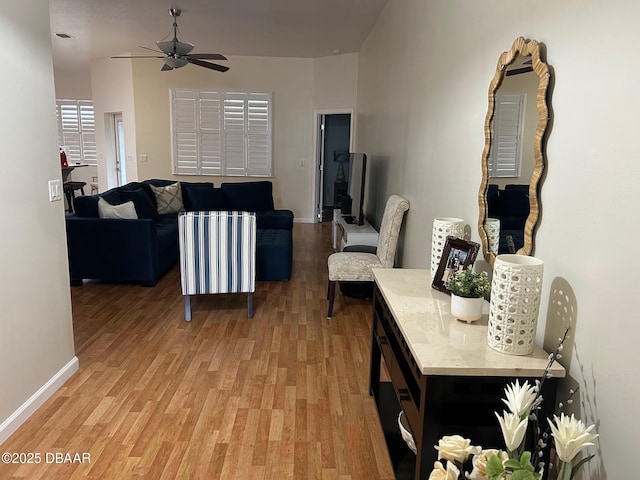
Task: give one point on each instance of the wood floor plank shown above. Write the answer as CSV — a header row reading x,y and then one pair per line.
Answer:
x,y
282,395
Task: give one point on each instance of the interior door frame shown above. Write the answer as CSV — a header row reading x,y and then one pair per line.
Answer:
x,y
120,164
318,117
112,145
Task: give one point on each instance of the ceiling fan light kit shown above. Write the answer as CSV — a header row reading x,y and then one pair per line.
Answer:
x,y
175,62
177,54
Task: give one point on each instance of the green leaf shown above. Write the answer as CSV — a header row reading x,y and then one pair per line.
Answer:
x,y
577,466
522,469
512,463
494,467
525,458
523,475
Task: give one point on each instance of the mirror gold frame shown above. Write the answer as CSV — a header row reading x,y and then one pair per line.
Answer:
x,y
526,48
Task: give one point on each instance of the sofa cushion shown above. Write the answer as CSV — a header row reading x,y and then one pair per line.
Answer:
x,y
249,196
169,198
86,206
144,206
514,202
276,219
167,231
199,196
274,250
125,210
207,200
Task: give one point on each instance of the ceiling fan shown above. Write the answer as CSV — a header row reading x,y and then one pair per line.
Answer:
x,y
176,53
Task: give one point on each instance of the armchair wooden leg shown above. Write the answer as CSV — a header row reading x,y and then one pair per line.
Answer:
x,y
250,304
187,308
331,294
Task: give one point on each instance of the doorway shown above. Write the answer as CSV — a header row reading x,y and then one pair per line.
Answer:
x,y
115,153
333,144
120,164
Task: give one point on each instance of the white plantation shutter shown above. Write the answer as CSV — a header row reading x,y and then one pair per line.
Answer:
x,y
235,131
210,141
259,135
88,132
76,130
184,122
218,133
507,145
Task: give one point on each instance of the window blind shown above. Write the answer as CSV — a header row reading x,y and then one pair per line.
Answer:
x,y
77,130
222,133
506,151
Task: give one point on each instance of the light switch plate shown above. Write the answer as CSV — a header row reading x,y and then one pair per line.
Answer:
x,y
55,190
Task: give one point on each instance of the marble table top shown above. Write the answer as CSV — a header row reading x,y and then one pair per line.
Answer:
x,y
443,345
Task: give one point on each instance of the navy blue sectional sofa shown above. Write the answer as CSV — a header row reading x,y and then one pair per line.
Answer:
x,y
141,250
510,205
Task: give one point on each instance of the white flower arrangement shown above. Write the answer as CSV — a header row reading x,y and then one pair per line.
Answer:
x,y
569,434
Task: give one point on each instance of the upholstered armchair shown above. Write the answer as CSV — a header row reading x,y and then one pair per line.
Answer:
x,y
217,254
356,266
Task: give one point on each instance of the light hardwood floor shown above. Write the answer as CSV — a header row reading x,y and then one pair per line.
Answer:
x,y
281,395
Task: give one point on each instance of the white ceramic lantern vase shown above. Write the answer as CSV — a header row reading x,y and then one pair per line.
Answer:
x,y
515,301
442,228
492,227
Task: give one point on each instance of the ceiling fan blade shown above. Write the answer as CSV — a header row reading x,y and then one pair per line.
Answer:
x,y
208,56
141,56
152,49
212,66
166,68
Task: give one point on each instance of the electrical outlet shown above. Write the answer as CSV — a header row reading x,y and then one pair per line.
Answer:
x,y
277,200
144,157
55,191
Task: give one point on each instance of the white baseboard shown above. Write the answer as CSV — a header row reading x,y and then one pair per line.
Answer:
x,y
36,400
303,220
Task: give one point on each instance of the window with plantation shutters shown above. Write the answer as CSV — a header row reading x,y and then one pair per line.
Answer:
x,y
506,152
221,133
77,130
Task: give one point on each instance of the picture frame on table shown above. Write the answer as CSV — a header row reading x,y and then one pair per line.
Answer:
x,y
457,255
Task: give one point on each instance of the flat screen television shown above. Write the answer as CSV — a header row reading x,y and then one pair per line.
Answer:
x,y
357,176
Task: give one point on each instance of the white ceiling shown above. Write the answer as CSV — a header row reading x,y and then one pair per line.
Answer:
x,y
282,28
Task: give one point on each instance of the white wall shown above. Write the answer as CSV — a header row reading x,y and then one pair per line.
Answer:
x,y
73,84
112,90
335,81
421,115
36,337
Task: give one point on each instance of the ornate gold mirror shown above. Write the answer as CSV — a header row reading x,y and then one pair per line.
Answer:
x,y
513,157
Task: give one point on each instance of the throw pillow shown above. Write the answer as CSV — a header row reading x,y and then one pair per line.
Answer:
x,y
86,206
144,206
124,210
169,198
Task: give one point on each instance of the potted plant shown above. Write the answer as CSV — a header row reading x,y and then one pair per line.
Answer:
x,y
468,290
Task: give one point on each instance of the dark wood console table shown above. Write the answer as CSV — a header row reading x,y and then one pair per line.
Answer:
x,y
442,372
